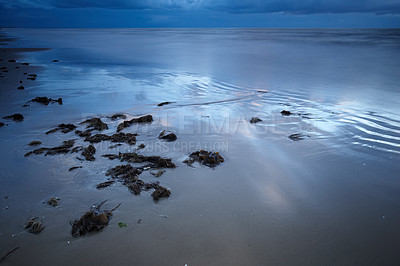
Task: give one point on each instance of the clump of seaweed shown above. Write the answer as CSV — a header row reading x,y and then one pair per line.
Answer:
x,y
95,124
128,123
15,117
83,134
298,136
46,101
126,173
64,148
128,138
35,143
89,152
53,201
105,184
160,192
64,128
254,120
118,116
210,159
34,226
167,135
93,220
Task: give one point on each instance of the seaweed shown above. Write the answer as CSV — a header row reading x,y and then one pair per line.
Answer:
x,y
74,167
105,184
46,101
93,220
128,123
128,138
210,159
286,113
156,161
53,201
254,120
35,143
167,135
298,136
64,148
95,124
89,152
164,103
160,192
83,134
34,226
64,128
15,117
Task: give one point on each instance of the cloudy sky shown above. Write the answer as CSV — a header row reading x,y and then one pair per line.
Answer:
x,y
199,13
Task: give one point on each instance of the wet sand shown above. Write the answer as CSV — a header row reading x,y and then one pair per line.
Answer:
x,y
272,201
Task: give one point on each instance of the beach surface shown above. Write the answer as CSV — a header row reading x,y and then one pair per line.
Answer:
x,y
314,182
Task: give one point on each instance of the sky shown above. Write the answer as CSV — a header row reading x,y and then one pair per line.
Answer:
x,y
200,13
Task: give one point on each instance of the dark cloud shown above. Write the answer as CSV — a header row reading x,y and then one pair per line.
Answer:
x,y
230,6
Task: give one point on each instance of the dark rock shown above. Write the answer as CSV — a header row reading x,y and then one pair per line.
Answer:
x,y
15,117
286,113
64,128
297,137
53,202
35,143
83,134
20,81
142,119
105,184
74,167
118,116
210,159
12,61
1,124
164,103
167,135
254,120
20,88
89,152
25,64
141,146
95,124
160,192
33,226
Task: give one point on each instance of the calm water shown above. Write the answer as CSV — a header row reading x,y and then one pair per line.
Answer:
x,y
330,199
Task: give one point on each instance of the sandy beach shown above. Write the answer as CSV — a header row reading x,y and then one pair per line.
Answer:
x,y
304,149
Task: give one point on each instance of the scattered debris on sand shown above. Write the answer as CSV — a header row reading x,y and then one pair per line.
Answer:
x,y
89,152
254,120
35,143
74,167
53,201
105,184
210,159
118,116
128,138
95,124
64,128
164,103
167,135
83,134
34,226
46,101
15,117
128,123
93,220
298,136
160,192
158,174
